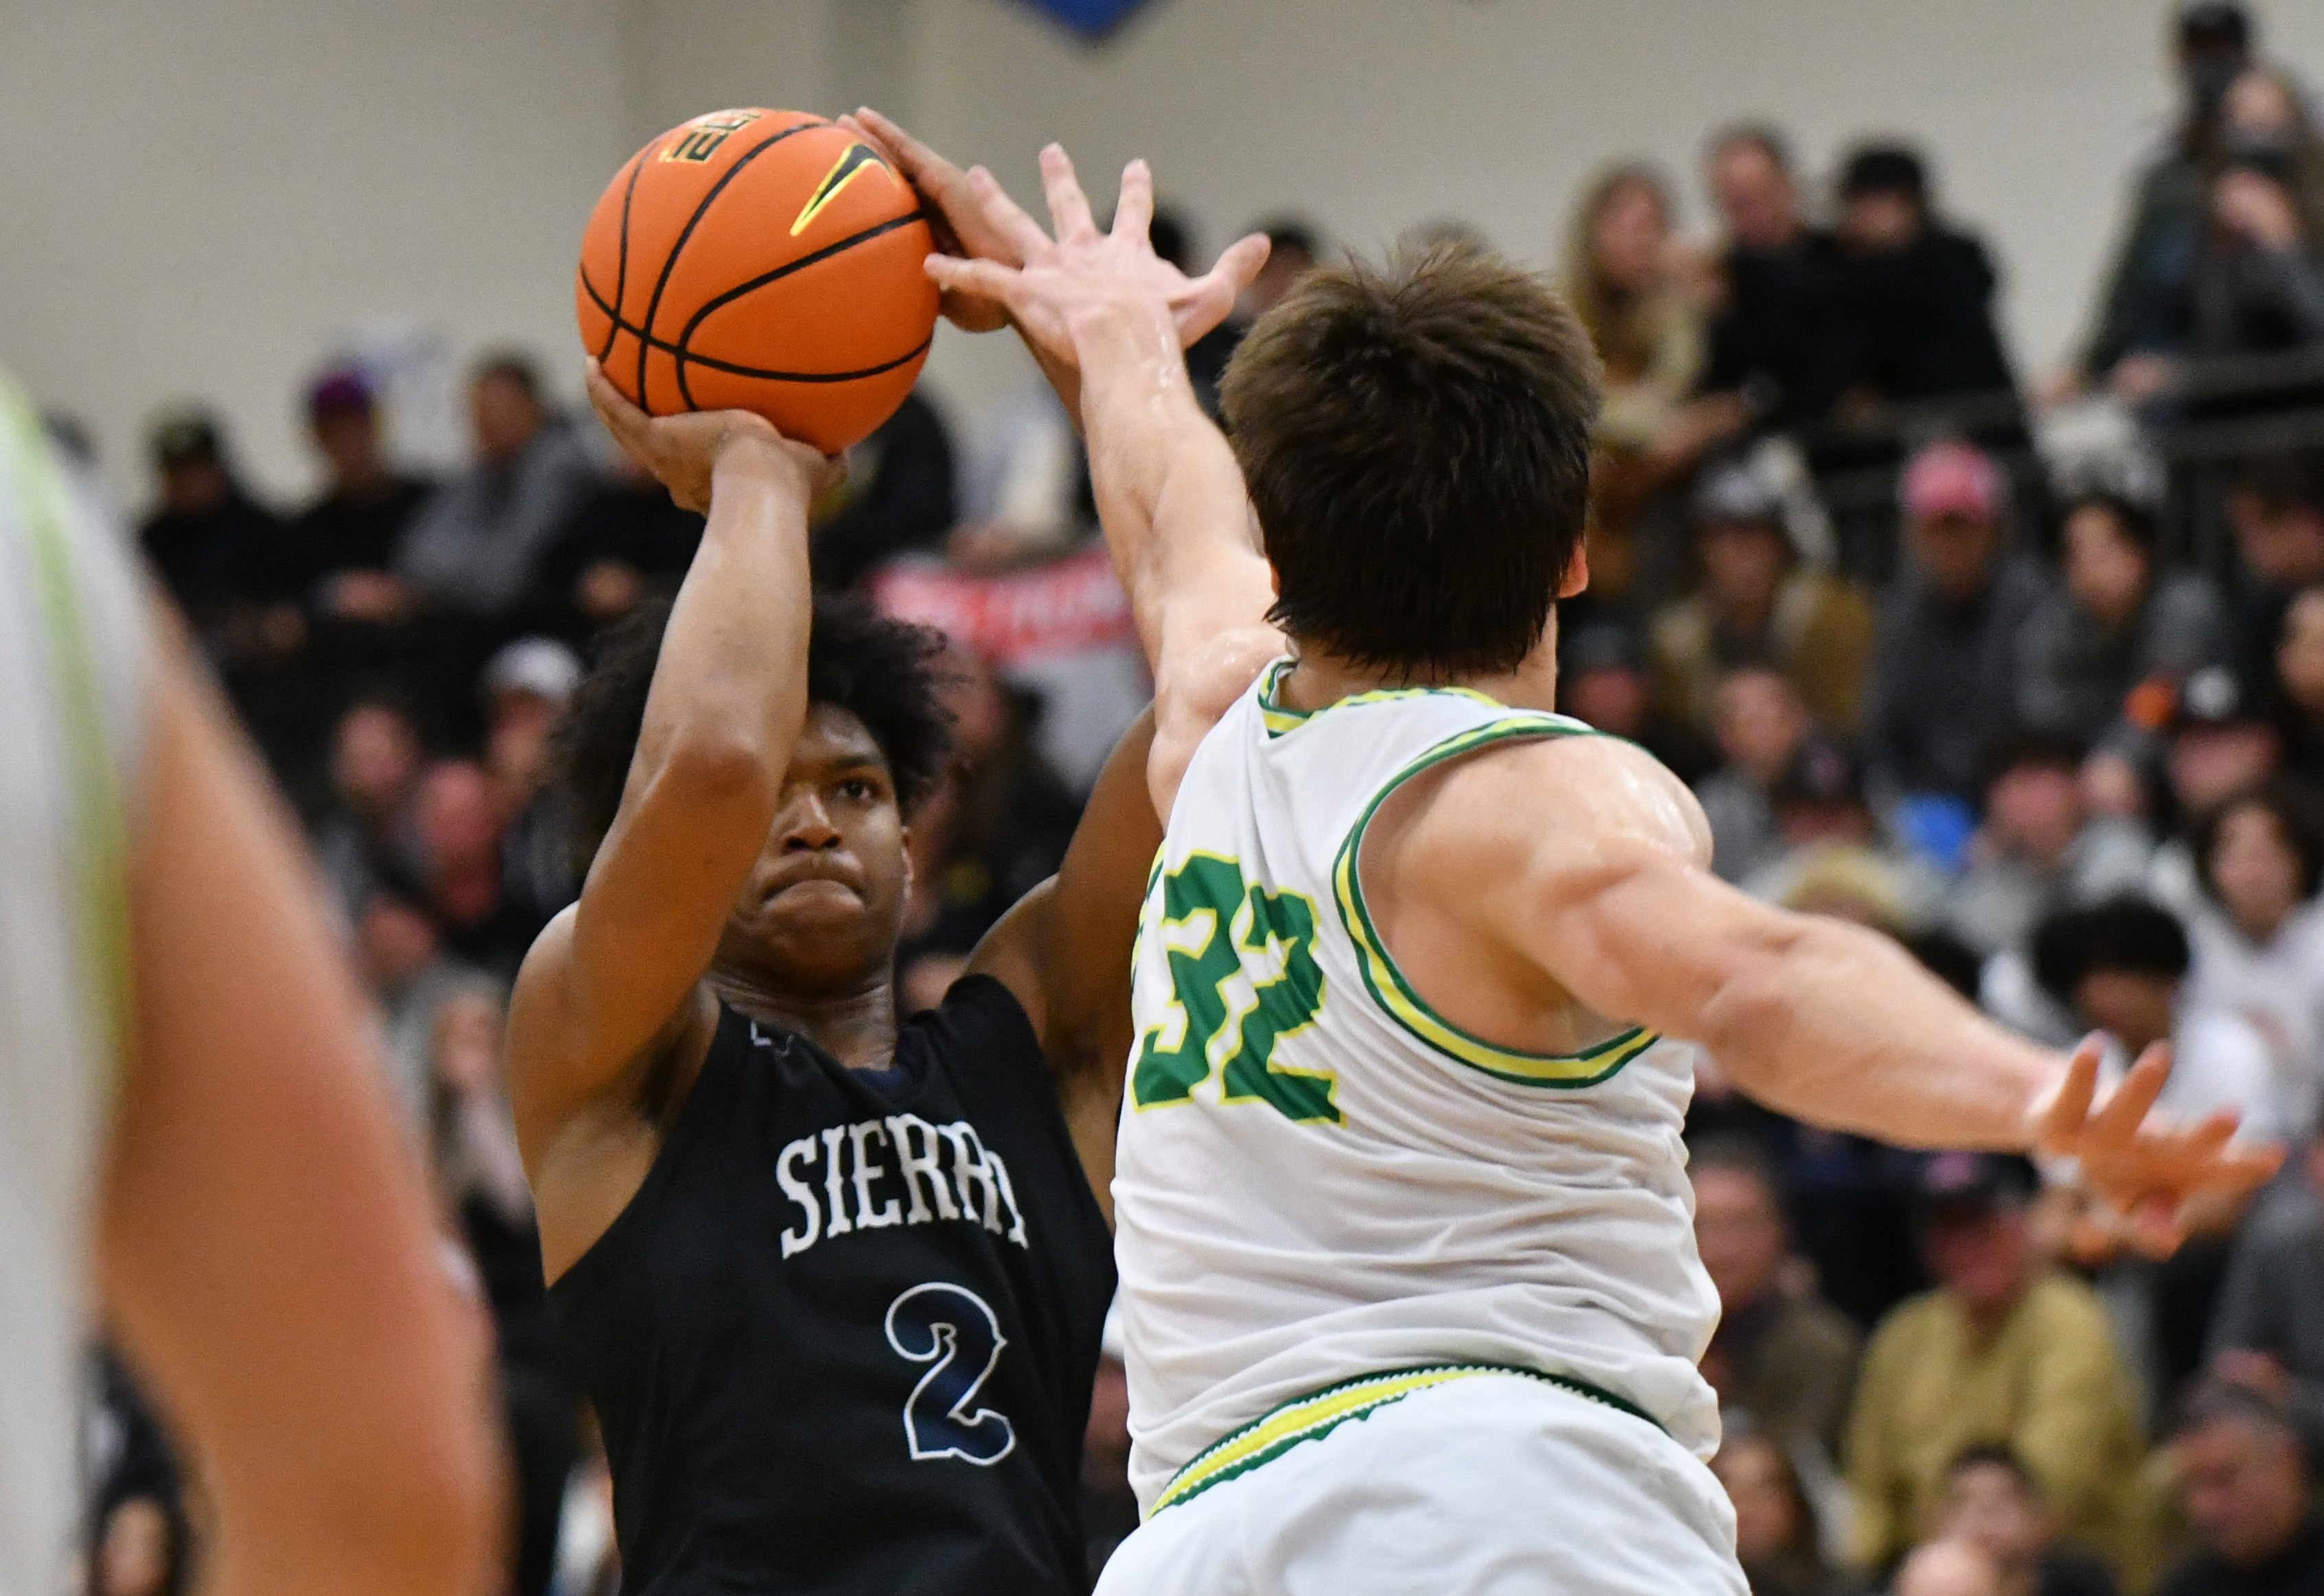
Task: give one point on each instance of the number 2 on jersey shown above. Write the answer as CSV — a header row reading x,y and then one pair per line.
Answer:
x,y
1243,976
956,1332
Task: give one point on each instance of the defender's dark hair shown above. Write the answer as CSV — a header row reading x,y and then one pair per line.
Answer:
x,y
1417,441
880,671
2296,821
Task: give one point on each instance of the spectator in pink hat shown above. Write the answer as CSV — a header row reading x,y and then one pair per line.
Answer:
x,y
1943,688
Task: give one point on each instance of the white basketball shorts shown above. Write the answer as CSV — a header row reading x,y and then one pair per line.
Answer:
x,y
1494,1484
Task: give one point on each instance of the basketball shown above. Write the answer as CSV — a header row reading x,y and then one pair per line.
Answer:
x,y
758,260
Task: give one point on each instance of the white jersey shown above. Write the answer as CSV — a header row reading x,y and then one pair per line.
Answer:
x,y
1319,1179
72,662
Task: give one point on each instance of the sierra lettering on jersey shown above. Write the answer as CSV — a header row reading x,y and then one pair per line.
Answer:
x,y
900,1170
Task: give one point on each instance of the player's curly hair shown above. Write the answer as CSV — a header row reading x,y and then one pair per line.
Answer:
x,y
881,672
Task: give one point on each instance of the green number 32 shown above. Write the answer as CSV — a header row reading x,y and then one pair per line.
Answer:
x,y
1243,976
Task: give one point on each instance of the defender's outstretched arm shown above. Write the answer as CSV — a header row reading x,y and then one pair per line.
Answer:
x,y
1169,492
1603,888
727,703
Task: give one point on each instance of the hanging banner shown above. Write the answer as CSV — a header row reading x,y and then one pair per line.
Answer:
x,y
1089,18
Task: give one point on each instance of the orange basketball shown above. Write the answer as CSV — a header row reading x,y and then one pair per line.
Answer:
x,y
763,261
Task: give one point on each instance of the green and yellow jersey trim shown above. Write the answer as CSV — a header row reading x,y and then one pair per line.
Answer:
x,y
1319,1413
100,829
1395,995
1279,719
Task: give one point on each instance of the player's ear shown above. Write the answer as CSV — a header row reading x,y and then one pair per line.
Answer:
x,y
1577,574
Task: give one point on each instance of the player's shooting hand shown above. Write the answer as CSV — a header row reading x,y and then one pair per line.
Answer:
x,y
1080,269
2146,1168
684,451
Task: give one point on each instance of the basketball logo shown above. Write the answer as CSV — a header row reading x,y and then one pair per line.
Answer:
x,y
845,171
703,134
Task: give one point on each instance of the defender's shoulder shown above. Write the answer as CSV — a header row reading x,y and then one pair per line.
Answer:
x,y
1581,789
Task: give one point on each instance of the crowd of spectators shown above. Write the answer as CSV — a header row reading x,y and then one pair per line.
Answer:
x,y
2076,773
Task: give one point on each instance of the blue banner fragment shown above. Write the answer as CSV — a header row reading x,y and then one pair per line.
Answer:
x,y
1091,17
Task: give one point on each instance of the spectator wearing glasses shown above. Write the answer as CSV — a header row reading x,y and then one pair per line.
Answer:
x,y
1945,662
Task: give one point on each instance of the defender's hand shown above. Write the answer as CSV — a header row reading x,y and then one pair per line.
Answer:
x,y
2145,1168
955,199
1082,268
683,450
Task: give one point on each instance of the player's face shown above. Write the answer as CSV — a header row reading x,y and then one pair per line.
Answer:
x,y
820,910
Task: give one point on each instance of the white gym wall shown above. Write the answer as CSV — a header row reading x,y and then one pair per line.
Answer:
x,y
202,198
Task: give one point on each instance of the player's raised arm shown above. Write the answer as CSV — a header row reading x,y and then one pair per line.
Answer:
x,y
622,967
1817,1017
1169,493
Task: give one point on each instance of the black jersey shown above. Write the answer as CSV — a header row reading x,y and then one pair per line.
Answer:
x,y
843,1337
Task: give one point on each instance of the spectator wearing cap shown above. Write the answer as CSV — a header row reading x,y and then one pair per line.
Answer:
x,y
209,540
1916,297
2039,848
526,688
1761,727
2211,44
336,559
2219,747
2257,934
2267,1331
340,550
2221,744
1945,661
1602,681
2101,658
1757,601
1773,334
1783,1357
2243,1487
2002,1352
2276,512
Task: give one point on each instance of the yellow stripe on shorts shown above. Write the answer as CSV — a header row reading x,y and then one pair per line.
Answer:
x,y
1315,1415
